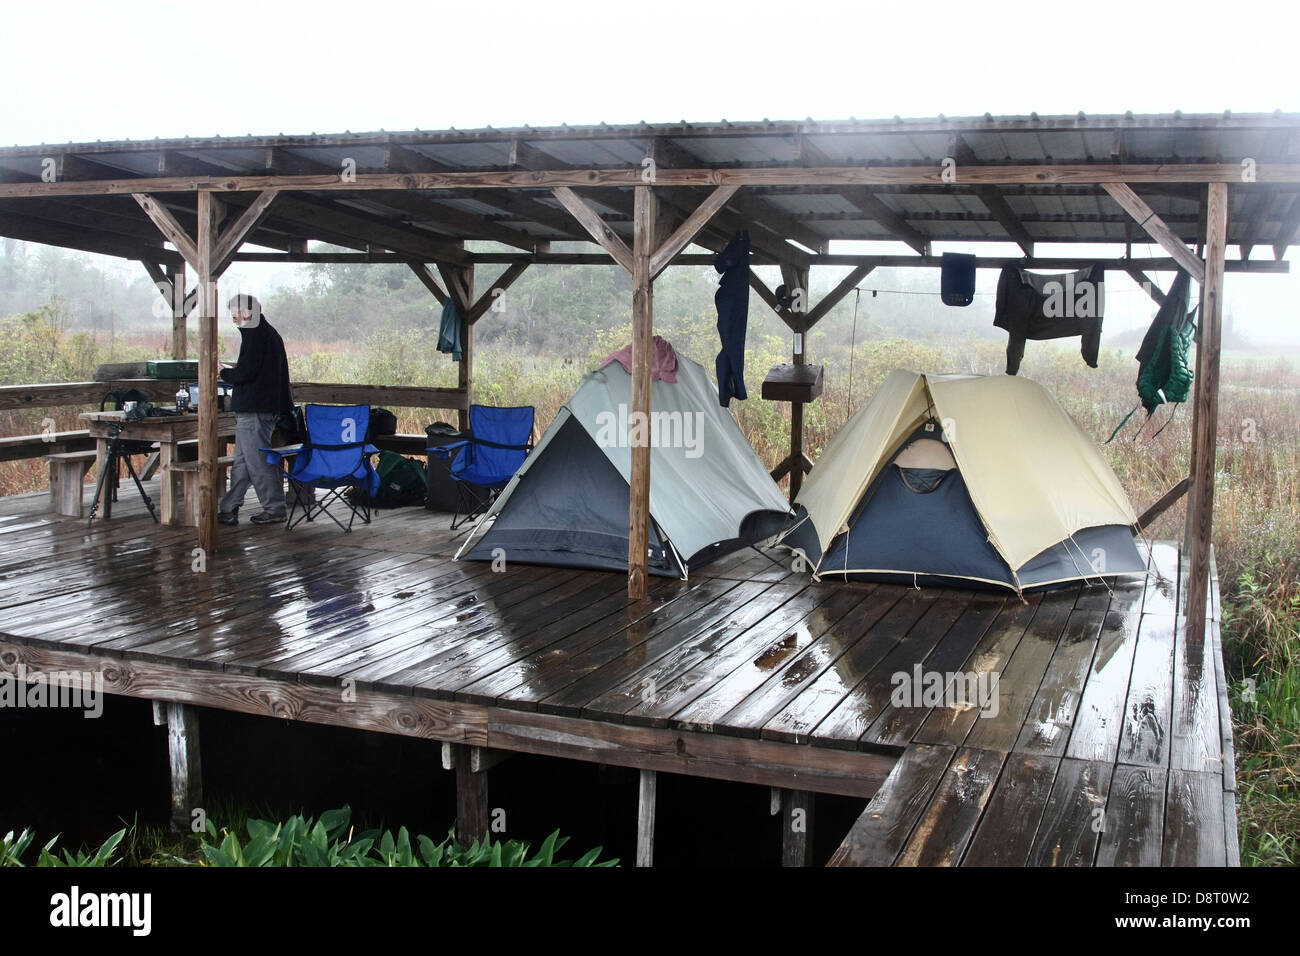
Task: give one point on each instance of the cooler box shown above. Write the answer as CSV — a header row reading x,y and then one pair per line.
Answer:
x,y
173,368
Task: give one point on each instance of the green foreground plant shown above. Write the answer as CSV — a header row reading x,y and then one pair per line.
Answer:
x,y
329,841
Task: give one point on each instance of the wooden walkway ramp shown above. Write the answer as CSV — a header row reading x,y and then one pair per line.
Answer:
x,y
747,672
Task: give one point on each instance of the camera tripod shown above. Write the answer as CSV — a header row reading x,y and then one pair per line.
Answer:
x,y
118,449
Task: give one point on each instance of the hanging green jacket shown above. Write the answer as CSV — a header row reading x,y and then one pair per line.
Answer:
x,y
450,331
1164,374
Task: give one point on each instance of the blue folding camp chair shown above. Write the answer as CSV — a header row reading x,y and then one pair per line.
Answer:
x,y
500,439
335,458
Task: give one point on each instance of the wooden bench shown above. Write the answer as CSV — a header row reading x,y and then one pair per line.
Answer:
x,y
189,472
67,480
22,447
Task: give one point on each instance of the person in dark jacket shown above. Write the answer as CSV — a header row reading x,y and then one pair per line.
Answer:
x,y
261,394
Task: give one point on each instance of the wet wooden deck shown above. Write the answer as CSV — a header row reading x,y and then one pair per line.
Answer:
x,y
1111,742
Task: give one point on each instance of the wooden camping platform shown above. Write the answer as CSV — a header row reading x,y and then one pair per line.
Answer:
x,y
1110,742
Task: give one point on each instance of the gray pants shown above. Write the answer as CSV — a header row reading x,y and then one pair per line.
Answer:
x,y
253,431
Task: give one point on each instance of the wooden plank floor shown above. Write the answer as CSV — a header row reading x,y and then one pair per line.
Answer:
x,y
1077,728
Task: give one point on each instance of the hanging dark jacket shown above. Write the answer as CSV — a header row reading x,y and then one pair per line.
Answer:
x,y
732,301
261,374
1029,308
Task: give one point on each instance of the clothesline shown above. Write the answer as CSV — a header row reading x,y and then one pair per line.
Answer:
x,y
913,292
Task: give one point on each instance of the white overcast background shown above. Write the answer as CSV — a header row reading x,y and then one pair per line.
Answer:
x,y
78,72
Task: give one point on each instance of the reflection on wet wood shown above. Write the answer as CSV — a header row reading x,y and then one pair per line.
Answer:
x,y
1005,834
1099,719
1145,736
1074,817
1135,813
944,830
1194,818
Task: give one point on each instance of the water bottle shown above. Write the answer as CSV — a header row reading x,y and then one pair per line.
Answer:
x,y
182,400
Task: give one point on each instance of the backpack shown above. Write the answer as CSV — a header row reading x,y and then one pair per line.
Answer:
x,y
382,422
401,481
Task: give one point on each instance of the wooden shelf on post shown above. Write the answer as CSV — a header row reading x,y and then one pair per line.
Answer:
x,y
797,384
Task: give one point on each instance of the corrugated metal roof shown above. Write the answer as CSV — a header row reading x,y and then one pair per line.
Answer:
x,y
1259,214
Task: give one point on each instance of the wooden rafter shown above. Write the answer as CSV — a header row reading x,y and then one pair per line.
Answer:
x,y
69,236
871,205
1287,229
1145,217
892,222
997,205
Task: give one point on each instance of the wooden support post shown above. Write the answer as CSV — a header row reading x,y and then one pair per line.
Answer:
x,y
638,538
208,451
473,815
645,818
801,280
187,769
1200,514
465,374
180,345
796,827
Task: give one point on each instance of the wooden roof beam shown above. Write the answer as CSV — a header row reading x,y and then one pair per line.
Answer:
x,y
929,174
960,150
466,225
1287,229
16,226
1254,225
668,154
530,157
1145,217
869,203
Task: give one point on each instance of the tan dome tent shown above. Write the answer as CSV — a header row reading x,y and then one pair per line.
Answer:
x,y
568,504
965,480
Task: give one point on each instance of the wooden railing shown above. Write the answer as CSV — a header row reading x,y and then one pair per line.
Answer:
x,y
56,394
160,390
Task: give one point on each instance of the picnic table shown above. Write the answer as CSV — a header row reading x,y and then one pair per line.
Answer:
x,y
169,431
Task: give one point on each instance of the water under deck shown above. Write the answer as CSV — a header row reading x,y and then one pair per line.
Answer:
x,y
1110,742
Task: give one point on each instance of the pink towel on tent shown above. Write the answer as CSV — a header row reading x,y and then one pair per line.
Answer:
x,y
663,362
